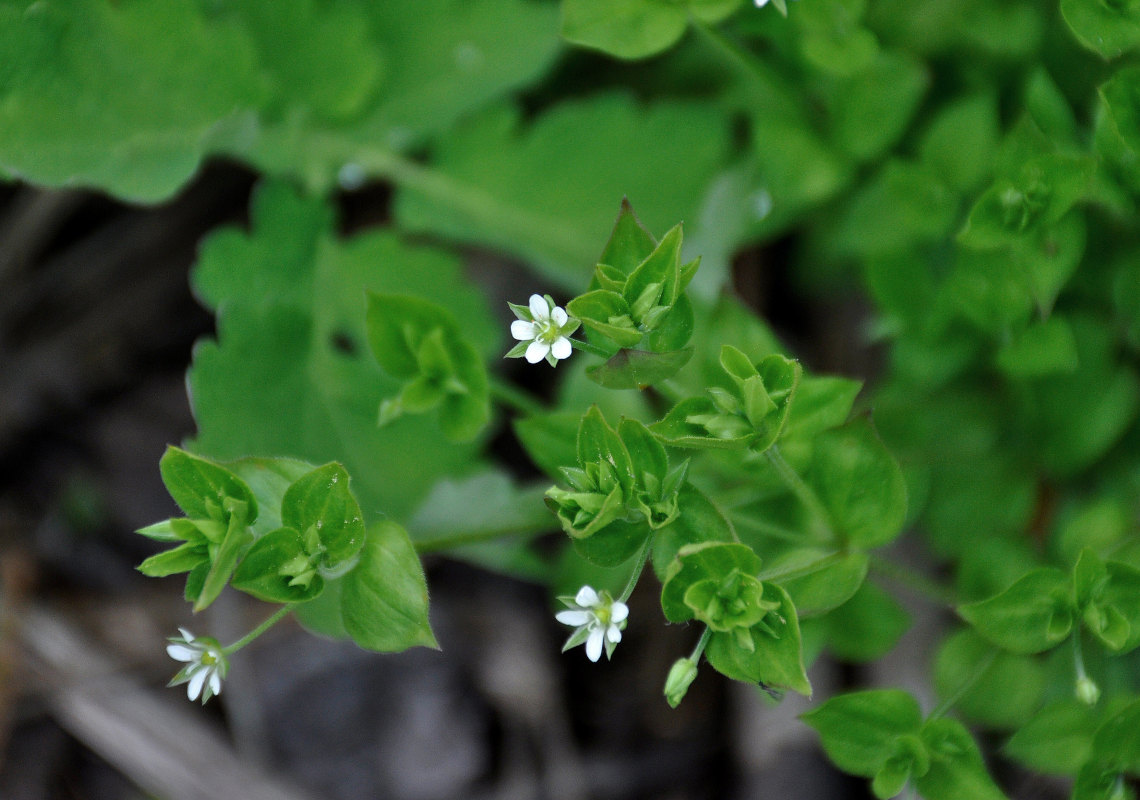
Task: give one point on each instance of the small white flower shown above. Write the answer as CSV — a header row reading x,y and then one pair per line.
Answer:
x,y
598,618
546,327
206,664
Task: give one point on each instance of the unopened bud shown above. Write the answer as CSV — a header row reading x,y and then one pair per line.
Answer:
x,y
1087,691
681,676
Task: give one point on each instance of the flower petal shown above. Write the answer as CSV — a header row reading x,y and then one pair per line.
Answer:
x,y
194,688
186,635
586,597
559,315
619,611
215,682
561,348
574,617
180,652
539,307
594,644
537,351
523,330
613,633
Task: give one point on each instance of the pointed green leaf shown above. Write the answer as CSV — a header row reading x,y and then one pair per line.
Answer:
x,y
201,487
238,537
322,500
635,369
775,660
957,771
857,729
170,562
606,313
1058,739
1034,614
629,243
260,571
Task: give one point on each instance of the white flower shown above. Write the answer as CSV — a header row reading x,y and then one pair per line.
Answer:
x,y
546,327
206,664
598,618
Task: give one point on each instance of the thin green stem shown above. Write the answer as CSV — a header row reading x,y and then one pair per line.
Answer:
x,y
514,398
728,50
277,616
915,581
702,643
768,529
592,349
638,568
444,543
821,520
965,686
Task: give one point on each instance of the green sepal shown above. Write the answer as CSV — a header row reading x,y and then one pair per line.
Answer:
x,y
201,487
674,329
238,537
162,532
384,599
279,568
733,601
776,657
700,562
1035,614
858,729
636,369
171,562
607,314
322,500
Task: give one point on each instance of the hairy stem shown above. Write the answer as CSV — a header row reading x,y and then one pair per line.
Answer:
x,y
277,616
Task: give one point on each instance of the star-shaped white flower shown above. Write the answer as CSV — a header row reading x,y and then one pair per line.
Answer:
x,y
546,327
206,664
598,618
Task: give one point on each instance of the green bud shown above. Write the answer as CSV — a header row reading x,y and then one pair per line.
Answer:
x,y
1087,691
681,676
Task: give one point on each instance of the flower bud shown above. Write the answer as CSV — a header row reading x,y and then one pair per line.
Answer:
x,y
681,675
1087,691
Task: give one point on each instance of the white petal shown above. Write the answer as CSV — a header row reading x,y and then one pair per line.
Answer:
x,y
180,652
559,315
189,637
761,3
594,644
561,348
619,611
194,688
538,307
523,330
586,597
574,617
537,351
215,682
613,633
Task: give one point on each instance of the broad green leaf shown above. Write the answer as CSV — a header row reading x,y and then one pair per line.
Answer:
x,y
201,488
1098,781
627,28
660,156
859,483
1042,349
289,373
775,660
646,453
1002,690
322,500
384,598
700,521
961,142
635,369
857,729
1117,740
870,110
957,771
551,440
118,96
699,562
268,479
822,402
819,590
1108,28
867,626
1034,614
260,572
613,544
1057,740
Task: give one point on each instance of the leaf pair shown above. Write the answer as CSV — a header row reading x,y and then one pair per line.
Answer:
x,y
422,344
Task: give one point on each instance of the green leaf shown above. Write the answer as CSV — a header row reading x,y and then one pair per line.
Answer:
x,y
1057,740
821,402
1105,27
1034,614
688,425
871,109
629,243
776,658
646,453
1045,348
626,28
820,590
322,500
398,326
957,771
962,140
1003,690
120,97
201,488
223,561
859,483
260,572
606,313
635,369
384,598
857,729
661,267
551,440
700,521
662,156
171,562
289,373
867,626
613,544
599,443
699,562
